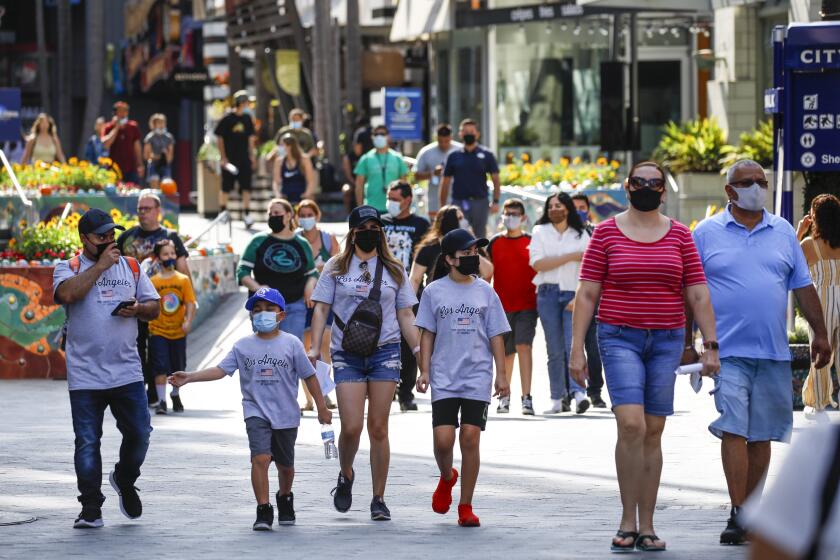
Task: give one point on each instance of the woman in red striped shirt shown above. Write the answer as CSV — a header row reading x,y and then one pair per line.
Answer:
x,y
643,266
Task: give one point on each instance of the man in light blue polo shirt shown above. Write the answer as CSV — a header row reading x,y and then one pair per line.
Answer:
x,y
752,259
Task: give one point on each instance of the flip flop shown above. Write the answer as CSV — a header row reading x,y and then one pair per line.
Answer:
x,y
640,544
625,547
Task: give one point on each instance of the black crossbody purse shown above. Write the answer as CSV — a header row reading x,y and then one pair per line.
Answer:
x,y
361,333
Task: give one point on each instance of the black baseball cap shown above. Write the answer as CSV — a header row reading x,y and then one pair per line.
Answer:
x,y
363,214
460,240
97,221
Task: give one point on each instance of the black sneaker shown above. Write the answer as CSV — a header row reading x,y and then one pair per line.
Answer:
x,y
161,408
130,504
408,406
343,492
265,517
734,534
378,510
89,518
597,401
177,405
582,406
567,404
285,509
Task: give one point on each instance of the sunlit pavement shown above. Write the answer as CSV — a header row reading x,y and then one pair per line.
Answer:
x,y
547,487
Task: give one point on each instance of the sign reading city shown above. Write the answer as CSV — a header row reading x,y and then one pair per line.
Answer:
x,y
403,111
10,115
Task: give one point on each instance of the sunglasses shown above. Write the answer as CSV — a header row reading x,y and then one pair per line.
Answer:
x,y
656,184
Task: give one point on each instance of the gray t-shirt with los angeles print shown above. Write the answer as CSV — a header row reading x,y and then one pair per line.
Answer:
x,y
269,370
101,349
344,292
464,317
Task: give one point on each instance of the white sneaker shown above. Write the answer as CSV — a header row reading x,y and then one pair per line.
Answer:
x,y
582,402
504,405
556,407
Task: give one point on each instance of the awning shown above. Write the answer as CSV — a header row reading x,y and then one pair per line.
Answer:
x,y
306,10
415,18
651,5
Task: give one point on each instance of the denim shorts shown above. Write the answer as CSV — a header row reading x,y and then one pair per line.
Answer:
x,y
383,365
639,365
309,313
754,398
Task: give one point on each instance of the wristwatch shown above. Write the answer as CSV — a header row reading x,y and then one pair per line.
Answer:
x,y
711,345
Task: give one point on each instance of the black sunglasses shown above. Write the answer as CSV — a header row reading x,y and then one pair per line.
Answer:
x,y
746,183
642,183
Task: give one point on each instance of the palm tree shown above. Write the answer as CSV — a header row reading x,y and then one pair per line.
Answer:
x,y
64,63
95,48
43,71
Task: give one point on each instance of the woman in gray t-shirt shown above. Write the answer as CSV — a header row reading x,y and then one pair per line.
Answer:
x,y
346,280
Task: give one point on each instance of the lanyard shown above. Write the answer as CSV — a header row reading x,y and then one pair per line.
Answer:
x,y
384,169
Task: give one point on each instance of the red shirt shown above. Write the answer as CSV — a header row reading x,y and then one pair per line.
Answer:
x,y
513,276
122,150
642,283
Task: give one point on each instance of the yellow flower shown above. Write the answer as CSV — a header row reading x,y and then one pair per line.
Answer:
x,y
556,176
116,214
564,162
526,157
576,161
73,161
601,161
614,164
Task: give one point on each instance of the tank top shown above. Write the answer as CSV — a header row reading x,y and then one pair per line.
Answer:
x,y
294,182
818,390
44,151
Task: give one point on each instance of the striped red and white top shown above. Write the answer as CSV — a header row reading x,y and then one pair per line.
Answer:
x,y
642,283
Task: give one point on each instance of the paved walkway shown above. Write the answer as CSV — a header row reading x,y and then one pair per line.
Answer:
x,y
547,487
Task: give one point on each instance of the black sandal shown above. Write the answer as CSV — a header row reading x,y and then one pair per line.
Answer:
x,y
640,543
625,547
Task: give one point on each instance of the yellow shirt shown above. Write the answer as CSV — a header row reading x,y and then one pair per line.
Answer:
x,y
175,293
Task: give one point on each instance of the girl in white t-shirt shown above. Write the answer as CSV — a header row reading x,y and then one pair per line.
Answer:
x,y
467,314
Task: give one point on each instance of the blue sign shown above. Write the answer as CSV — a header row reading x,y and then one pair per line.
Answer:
x,y
10,115
403,110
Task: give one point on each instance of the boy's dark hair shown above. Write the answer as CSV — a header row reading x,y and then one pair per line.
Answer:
x,y
380,127
514,203
161,244
402,186
583,197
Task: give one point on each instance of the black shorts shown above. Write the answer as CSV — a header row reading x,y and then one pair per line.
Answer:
x,y
167,356
264,440
445,412
243,178
523,328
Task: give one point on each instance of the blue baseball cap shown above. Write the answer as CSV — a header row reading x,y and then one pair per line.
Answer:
x,y
266,294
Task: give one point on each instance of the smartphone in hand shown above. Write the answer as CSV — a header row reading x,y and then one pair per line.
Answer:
x,y
122,305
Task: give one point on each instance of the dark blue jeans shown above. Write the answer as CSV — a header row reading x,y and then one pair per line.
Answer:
x,y
557,326
131,410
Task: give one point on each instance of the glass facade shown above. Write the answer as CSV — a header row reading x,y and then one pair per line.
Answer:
x,y
548,84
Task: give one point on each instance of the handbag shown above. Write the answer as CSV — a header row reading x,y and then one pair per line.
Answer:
x,y
361,333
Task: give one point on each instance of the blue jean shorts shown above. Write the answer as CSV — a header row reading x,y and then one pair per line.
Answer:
x,y
754,398
639,366
383,365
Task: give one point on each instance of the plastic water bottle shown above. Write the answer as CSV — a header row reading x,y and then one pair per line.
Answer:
x,y
328,437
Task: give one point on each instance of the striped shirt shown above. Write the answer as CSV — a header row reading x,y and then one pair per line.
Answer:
x,y
642,283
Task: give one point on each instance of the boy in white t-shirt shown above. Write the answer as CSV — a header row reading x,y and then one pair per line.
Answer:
x,y
270,363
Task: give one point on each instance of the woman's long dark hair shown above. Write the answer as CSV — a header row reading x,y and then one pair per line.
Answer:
x,y
440,269
445,221
572,217
825,210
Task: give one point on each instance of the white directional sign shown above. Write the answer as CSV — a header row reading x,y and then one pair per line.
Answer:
x,y
807,140
809,102
808,159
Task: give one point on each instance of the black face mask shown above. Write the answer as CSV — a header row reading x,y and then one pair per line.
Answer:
x,y
469,139
277,223
468,265
645,200
101,247
366,240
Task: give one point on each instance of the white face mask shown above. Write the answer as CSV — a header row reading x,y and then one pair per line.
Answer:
x,y
394,208
281,151
512,222
297,125
380,141
307,223
751,198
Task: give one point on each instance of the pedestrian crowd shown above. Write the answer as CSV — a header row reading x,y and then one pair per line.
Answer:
x,y
405,305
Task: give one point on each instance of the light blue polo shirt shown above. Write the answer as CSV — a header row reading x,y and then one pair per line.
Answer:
x,y
749,275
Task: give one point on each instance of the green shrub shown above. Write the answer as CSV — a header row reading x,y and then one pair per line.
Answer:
x,y
756,145
691,147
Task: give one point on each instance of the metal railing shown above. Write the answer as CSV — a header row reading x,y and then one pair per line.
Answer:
x,y
31,212
222,219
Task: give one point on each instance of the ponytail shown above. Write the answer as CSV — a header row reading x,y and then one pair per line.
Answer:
x,y
440,269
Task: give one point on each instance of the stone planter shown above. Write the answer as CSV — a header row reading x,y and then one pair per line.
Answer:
x,y
697,192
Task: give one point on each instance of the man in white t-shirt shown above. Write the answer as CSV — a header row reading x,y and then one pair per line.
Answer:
x,y
430,163
787,522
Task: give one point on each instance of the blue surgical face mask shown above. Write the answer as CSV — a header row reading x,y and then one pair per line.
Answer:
x,y
265,321
380,141
296,124
584,215
307,223
168,263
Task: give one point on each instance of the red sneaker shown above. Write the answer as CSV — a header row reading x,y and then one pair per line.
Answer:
x,y
466,517
442,498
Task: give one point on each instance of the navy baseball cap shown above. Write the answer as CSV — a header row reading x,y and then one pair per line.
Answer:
x,y
97,221
363,214
266,294
460,240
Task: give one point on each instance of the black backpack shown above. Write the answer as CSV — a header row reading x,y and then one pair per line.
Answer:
x,y
361,333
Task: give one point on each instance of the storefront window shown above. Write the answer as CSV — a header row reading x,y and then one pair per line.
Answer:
x,y
548,83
